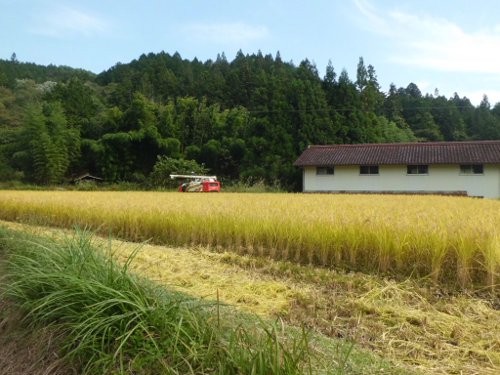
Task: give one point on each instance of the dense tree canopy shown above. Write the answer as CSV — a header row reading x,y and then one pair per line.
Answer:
x,y
247,119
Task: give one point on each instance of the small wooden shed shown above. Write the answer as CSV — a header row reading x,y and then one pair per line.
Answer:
x,y
87,177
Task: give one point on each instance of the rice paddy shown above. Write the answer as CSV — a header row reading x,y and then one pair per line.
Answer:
x,y
452,240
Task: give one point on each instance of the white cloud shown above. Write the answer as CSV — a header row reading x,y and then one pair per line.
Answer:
x,y
69,21
226,32
370,17
430,42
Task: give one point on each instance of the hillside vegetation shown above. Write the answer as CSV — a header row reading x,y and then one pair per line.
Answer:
x,y
246,120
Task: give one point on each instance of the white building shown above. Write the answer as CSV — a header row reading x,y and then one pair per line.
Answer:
x,y
465,168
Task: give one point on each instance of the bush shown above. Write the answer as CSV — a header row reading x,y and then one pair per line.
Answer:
x,y
258,186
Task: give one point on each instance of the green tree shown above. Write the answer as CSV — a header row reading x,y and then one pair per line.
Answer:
x,y
192,152
210,154
486,124
140,114
80,102
361,75
51,144
448,119
417,113
171,147
389,132
118,160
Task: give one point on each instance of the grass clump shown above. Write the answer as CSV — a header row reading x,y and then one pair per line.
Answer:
x,y
115,322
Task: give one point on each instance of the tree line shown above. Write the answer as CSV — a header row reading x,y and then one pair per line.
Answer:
x,y
245,120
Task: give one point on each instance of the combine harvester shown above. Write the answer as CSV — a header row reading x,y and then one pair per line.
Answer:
x,y
197,184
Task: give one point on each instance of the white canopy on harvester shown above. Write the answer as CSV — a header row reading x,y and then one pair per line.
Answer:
x,y
193,177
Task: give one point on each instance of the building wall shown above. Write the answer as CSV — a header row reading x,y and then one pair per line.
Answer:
x,y
441,178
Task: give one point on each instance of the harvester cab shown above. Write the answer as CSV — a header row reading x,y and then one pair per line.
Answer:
x,y
192,183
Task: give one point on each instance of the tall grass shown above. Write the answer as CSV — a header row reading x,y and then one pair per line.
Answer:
x,y
454,240
114,322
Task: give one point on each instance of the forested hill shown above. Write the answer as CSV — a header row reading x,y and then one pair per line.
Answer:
x,y
12,70
246,119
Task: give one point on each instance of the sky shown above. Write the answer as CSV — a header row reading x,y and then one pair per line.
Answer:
x,y
448,45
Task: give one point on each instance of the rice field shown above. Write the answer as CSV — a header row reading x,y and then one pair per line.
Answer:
x,y
453,240
412,326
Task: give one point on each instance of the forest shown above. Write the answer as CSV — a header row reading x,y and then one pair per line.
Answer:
x,y
245,120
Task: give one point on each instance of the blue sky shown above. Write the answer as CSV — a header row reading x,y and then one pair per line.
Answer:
x,y
453,45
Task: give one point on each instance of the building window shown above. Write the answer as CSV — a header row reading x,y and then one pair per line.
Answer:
x,y
368,169
323,171
471,169
417,169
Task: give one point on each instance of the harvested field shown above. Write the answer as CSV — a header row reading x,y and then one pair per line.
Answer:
x,y
413,323
102,312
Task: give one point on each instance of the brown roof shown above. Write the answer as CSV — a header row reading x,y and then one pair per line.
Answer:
x,y
481,152
87,176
